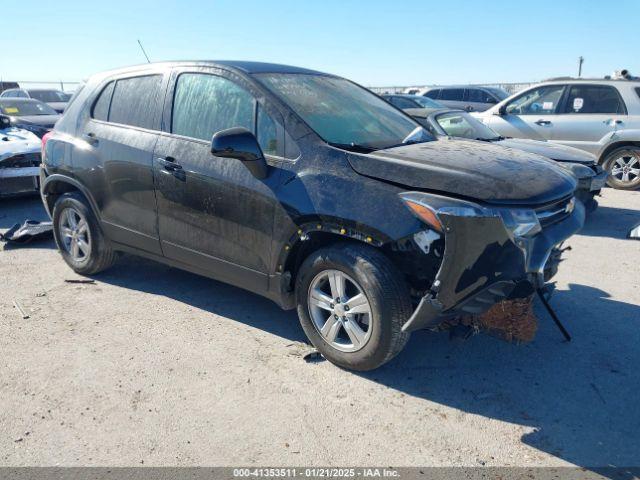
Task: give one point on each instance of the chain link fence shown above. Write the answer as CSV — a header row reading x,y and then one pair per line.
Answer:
x,y
511,88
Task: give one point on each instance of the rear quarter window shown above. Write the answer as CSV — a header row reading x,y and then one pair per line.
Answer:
x,y
101,106
135,101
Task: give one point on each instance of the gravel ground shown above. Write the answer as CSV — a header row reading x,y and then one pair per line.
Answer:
x,y
155,366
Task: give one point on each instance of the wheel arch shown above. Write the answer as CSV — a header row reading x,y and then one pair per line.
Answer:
x,y
56,185
614,146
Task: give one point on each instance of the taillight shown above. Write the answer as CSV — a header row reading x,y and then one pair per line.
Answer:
x,y
45,137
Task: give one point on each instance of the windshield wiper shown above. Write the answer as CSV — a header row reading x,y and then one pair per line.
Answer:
x,y
353,147
492,139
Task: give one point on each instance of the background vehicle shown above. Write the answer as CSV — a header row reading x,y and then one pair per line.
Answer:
x,y
601,117
405,102
457,123
470,98
19,160
305,188
56,99
29,114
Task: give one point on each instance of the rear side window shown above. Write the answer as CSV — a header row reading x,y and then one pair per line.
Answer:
x,y
455,94
135,101
101,107
205,104
594,99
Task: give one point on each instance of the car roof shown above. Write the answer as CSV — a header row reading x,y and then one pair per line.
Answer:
x,y
597,81
243,66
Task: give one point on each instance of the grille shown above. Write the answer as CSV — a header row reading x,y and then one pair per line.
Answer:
x,y
555,212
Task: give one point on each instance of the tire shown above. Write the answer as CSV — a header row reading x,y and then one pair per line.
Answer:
x,y
366,271
615,164
93,253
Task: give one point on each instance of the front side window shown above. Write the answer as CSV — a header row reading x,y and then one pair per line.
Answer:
x,y
267,134
461,124
205,104
594,99
135,101
479,96
539,101
342,113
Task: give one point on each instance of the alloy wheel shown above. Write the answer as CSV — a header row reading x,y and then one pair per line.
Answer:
x,y
75,235
340,310
625,167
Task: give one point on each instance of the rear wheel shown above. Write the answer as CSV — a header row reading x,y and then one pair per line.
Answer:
x,y
352,303
79,237
623,166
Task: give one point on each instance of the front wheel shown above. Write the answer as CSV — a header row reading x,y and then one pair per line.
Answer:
x,y
623,166
352,303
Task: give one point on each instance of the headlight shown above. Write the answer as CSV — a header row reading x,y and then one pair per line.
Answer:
x,y
519,223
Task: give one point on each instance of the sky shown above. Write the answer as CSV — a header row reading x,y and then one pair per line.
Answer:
x,y
374,42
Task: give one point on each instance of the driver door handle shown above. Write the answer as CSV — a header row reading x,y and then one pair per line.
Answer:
x,y
169,164
543,122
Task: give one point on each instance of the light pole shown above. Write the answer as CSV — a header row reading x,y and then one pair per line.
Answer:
x,y
580,62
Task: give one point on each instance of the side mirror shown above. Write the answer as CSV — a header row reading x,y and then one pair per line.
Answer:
x,y
502,110
241,144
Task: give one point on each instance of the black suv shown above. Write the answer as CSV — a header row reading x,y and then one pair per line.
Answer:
x,y
305,188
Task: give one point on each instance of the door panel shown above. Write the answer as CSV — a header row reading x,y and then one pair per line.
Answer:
x,y
118,170
530,115
590,114
213,213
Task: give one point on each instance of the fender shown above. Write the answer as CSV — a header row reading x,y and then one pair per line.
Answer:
x,y
617,139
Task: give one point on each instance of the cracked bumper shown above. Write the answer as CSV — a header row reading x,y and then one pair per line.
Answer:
x,y
482,265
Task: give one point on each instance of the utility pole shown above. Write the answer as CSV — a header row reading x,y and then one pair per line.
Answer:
x,y
580,62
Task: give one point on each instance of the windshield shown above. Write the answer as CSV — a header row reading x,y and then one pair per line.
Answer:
x,y
426,102
49,96
461,124
497,92
344,114
25,107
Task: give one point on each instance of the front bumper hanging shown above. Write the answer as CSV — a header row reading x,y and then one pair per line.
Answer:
x,y
482,266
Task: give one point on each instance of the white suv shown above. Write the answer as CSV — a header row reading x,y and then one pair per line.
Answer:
x,y
599,116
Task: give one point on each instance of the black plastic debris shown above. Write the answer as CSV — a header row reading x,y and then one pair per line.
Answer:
x,y
30,230
313,357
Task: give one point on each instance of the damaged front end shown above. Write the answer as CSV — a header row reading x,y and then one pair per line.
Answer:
x,y
19,162
492,253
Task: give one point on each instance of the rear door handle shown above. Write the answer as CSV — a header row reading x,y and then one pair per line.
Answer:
x,y
169,164
90,138
543,122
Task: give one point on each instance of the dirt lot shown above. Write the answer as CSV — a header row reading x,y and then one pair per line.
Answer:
x,y
155,366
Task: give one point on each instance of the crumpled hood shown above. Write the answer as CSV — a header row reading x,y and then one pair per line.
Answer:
x,y
469,168
16,141
551,150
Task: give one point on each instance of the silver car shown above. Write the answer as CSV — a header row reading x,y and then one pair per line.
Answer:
x,y
471,98
601,117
